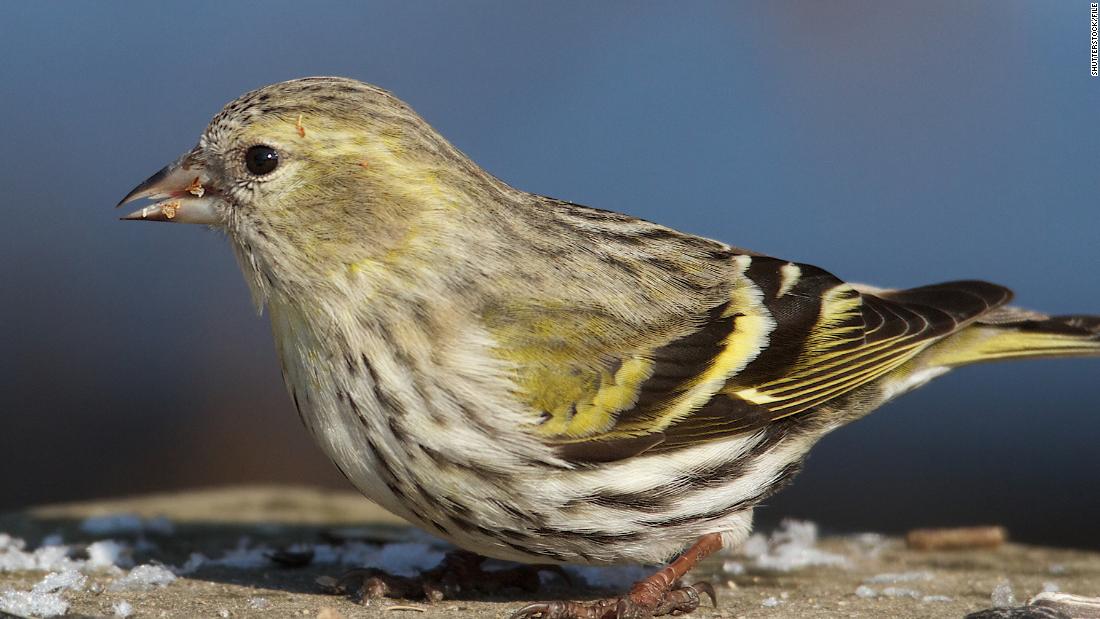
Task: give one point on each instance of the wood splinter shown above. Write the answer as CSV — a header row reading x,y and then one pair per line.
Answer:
x,y
956,539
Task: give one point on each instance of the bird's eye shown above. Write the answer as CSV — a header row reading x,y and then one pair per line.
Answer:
x,y
261,160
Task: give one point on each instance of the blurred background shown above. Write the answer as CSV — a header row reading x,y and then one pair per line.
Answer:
x,y
893,143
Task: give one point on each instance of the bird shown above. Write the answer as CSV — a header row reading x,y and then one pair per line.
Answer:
x,y
540,381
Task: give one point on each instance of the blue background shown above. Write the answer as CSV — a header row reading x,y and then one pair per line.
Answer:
x,y
891,143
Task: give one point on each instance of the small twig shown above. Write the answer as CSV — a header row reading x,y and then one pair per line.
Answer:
x,y
418,609
956,539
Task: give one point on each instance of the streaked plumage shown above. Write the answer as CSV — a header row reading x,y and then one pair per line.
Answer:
x,y
538,380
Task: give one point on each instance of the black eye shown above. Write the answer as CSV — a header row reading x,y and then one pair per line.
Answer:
x,y
261,160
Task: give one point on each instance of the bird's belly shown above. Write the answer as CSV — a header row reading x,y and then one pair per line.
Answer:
x,y
642,510
471,475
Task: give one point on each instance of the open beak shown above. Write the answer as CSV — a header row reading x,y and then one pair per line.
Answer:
x,y
183,191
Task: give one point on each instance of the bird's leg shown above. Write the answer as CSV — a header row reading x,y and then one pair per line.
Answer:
x,y
658,595
457,575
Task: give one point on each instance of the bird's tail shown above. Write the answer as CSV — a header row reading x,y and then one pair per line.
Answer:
x,y
1014,333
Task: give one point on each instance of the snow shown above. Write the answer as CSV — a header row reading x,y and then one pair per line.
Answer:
x,y
893,578
770,602
870,545
1002,596
192,564
1051,587
258,603
243,557
144,577
866,592
13,557
107,554
55,558
69,580
406,559
31,604
44,599
8,543
901,592
790,547
123,609
64,572
733,567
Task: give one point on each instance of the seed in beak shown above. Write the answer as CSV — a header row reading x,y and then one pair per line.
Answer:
x,y
195,188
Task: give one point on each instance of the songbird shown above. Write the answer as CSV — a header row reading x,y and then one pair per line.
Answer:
x,y
540,381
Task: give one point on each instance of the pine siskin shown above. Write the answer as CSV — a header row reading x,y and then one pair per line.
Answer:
x,y
541,381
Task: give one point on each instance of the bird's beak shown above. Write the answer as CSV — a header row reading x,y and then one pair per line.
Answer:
x,y
184,193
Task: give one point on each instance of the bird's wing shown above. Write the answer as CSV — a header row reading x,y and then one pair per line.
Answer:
x,y
789,338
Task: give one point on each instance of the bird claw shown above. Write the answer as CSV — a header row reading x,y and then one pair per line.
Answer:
x,y
675,601
708,589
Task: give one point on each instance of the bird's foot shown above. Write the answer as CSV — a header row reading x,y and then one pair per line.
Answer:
x,y
660,594
457,576
642,602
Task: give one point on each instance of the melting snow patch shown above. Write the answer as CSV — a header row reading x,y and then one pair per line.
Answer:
x,y
901,592
31,604
406,559
790,547
1002,596
69,580
107,554
143,577
733,567
123,609
892,578
243,557
870,544
193,563
770,602
258,603
864,591
13,557
935,598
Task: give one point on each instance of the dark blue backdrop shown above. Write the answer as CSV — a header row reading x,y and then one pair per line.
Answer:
x,y
892,143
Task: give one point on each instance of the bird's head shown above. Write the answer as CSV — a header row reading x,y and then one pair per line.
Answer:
x,y
318,178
